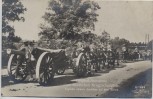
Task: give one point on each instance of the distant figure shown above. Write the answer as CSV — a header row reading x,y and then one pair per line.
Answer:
x,y
136,49
149,54
80,46
124,52
136,55
144,55
75,53
92,47
109,48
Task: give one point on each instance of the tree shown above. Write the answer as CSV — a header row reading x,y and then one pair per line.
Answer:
x,y
68,18
115,42
88,36
105,37
16,39
11,11
124,41
119,42
149,45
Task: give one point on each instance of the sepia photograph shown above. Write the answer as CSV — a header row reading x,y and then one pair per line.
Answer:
x,y
76,48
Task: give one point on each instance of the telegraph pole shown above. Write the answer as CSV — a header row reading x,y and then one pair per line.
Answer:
x,y
145,41
148,38
145,38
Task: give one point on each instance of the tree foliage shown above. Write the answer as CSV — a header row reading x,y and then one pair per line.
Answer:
x,y
67,18
149,45
105,37
11,11
88,36
119,42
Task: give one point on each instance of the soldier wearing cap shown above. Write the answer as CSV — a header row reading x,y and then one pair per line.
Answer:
x,y
28,47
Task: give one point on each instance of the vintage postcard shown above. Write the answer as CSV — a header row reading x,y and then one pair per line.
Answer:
x,y
76,48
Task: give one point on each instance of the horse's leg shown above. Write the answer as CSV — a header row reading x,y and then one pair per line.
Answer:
x,y
113,62
96,65
108,65
117,61
88,68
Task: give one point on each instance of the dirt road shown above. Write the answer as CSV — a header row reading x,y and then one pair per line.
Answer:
x,y
68,85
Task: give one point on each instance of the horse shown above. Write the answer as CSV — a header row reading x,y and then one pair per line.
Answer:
x,y
112,58
102,58
91,60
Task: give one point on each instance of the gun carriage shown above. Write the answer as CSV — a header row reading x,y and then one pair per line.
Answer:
x,y
47,62
17,65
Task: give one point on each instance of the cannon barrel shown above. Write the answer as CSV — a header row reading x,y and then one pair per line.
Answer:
x,y
17,52
51,50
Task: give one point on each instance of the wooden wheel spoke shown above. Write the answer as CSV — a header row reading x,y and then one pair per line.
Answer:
x,y
45,77
42,77
50,60
12,69
47,59
14,64
14,73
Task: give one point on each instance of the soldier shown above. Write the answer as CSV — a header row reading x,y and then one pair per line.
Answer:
x,y
136,53
31,47
75,53
109,47
28,47
124,52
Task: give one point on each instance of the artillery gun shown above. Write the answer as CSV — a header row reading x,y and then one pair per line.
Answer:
x,y
17,65
47,63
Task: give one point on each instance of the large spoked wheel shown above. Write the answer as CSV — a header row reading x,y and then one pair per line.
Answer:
x,y
45,69
81,65
16,68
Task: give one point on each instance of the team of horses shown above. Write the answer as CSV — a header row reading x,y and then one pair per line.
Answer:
x,y
100,59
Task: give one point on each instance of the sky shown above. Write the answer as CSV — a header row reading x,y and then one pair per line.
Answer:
x,y
125,19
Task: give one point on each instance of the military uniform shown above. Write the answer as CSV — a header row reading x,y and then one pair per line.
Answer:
x,y
29,57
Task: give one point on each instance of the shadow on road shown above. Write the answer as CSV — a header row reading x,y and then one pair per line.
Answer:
x,y
68,79
6,81
139,86
62,80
